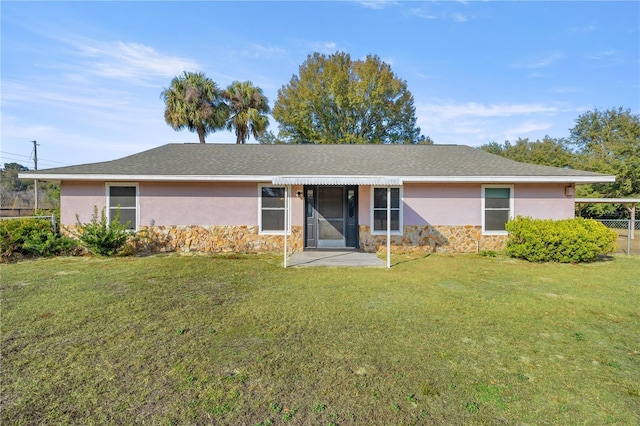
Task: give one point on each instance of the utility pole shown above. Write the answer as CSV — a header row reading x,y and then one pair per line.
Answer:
x,y
35,167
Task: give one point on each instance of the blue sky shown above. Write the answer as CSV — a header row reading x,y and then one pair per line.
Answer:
x,y
84,78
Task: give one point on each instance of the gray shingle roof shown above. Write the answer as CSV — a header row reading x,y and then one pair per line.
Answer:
x,y
243,161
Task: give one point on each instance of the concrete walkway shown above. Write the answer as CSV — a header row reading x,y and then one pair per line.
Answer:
x,y
335,258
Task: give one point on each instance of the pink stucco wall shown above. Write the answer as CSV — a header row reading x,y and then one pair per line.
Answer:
x,y
297,206
442,204
199,203
79,198
543,201
364,205
236,203
181,203
460,204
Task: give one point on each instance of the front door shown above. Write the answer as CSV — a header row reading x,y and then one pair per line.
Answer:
x,y
331,217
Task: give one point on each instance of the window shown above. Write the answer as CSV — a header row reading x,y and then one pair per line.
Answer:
x,y
272,209
497,208
379,219
124,197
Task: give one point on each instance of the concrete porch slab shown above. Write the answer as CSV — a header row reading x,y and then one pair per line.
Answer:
x,y
335,258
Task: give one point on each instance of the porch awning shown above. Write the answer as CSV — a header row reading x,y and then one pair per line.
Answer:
x,y
337,180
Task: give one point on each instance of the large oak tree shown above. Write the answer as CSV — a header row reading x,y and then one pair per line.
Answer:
x,y
609,142
335,99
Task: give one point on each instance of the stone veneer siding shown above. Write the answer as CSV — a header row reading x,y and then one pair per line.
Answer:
x,y
429,238
210,239
216,239
246,239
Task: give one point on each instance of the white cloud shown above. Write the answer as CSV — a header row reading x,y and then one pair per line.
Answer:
x,y
378,4
324,46
561,89
587,29
77,96
607,54
450,111
473,123
538,62
256,50
459,17
422,12
129,61
524,128
58,147
426,13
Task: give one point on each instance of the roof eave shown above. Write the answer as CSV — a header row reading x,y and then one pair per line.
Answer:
x,y
263,178
510,179
607,200
145,178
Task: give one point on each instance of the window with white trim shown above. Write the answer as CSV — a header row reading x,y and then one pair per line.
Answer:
x,y
379,210
125,199
272,201
497,208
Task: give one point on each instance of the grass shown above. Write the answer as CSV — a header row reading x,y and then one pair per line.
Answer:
x,y
239,340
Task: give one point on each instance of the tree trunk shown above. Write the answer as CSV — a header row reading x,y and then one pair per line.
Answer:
x,y
201,134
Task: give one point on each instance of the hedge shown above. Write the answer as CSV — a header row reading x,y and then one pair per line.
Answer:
x,y
33,237
565,241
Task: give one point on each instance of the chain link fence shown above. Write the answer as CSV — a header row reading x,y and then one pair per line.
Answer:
x,y
16,212
628,234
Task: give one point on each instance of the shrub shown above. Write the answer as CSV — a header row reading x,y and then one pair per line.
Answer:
x,y
32,236
101,237
566,241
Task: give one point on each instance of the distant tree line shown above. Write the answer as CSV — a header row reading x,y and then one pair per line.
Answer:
x,y
16,193
601,141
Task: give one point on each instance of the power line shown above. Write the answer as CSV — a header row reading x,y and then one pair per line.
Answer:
x,y
40,160
7,160
11,158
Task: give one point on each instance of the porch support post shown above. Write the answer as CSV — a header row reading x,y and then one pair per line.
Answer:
x,y
388,226
286,222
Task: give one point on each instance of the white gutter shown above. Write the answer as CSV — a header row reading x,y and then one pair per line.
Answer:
x,y
607,200
398,180
509,179
151,178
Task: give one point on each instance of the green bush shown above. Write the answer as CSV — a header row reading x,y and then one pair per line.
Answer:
x,y
566,241
101,237
32,236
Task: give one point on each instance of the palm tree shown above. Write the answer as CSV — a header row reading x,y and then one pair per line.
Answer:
x,y
248,107
194,101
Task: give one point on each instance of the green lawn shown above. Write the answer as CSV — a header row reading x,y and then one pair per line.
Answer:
x,y
222,340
